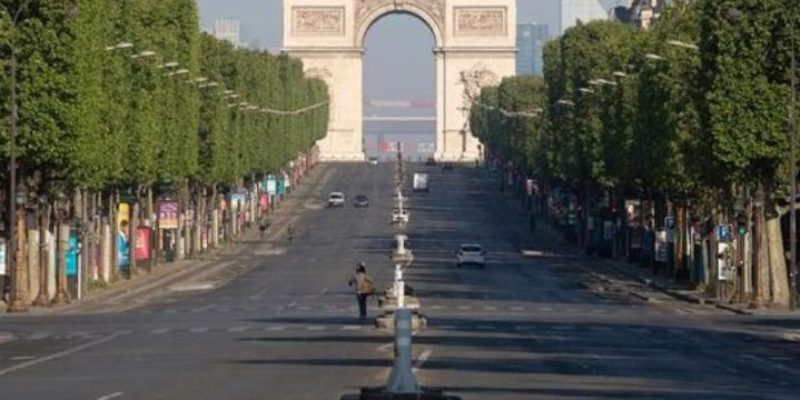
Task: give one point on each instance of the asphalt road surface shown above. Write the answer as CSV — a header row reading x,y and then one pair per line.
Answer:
x,y
283,324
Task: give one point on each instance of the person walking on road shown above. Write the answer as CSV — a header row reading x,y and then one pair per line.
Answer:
x,y
364,288
263,225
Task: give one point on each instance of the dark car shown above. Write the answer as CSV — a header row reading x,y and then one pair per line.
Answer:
x,y
447,167
430,162
361,201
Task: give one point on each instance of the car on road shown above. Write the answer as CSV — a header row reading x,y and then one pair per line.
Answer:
x,y
420,183
430,161
336,199
447,167
373,161
361,201
471,254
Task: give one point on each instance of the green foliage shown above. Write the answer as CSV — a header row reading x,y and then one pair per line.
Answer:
x,y
689,124
97,115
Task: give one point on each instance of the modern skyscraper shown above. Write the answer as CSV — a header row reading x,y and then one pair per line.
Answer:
x,y
531,38
228,29
583,10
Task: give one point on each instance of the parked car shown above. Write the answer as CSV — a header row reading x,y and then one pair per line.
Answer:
x,y
361,201
430,161
336,199
373,161
471,254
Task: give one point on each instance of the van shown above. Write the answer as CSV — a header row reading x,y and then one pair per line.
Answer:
x,y
421,182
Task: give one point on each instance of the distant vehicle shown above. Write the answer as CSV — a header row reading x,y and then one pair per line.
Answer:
x,y
400,216
447,167
421,182
430,161
471,254
373,161
361,201
336,199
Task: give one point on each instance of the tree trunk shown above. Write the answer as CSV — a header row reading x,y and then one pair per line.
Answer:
x,y
113,218
762,273
132,227
777,263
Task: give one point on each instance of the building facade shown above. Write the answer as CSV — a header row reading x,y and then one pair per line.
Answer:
x,y
228,30
531,38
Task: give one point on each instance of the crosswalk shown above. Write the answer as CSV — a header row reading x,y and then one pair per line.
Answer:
x,y
595,309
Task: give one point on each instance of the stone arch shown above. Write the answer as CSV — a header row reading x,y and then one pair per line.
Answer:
x,y
475,45
367,17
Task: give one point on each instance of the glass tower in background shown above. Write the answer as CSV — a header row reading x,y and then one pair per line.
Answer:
x,y
531,38
583,10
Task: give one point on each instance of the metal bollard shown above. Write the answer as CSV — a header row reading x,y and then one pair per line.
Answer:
x,y
402,378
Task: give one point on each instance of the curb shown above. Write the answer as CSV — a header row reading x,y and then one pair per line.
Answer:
x,y
6,337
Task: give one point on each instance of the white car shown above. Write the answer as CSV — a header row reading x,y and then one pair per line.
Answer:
x,y
471,254
336,199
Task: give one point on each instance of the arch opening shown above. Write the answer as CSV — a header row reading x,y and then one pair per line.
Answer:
x,y
399,97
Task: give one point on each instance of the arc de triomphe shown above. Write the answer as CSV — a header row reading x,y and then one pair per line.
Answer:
x,y
475,47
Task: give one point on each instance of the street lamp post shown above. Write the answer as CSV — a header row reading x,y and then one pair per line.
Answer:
x,y
793,171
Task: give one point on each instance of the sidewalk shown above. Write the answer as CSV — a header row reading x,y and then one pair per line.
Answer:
x,y
165,275
644,276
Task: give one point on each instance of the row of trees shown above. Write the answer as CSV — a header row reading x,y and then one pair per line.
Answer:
x,y
95,115
129,97
692,113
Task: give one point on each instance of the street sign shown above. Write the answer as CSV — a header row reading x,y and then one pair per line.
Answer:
x,y
662,250
272,185
72,254
669,225
2,257
724,233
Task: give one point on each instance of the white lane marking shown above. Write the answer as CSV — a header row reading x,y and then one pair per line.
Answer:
x,y
159,331
490,308
316,328
238,329
464,307
60,354
111,396
201,309
259,294
198,330
517,308
422,359
386,347
352,327
545,309
436,307
22,358
39,335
